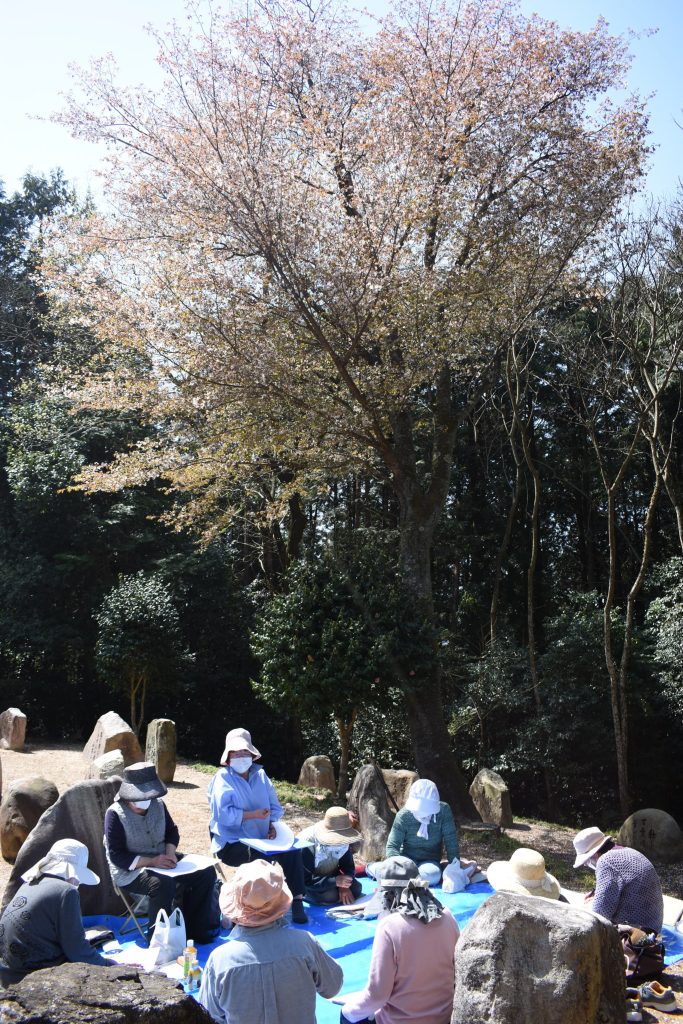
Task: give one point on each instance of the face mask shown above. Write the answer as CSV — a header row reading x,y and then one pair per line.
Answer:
x,y
142,804
241,764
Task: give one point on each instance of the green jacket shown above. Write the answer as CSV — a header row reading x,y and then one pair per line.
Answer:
x,y
404,841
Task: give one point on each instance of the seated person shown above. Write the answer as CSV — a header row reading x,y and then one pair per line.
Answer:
x,y
42,926
268,973
139,835
329,871
412,974
627,887
422,829
524,873
243,804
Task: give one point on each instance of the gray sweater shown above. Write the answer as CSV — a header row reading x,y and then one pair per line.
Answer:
x,y
42,927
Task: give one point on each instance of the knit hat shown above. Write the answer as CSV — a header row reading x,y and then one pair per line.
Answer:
x,y
238,739
140,782
68,859
587,843
524,873
256,895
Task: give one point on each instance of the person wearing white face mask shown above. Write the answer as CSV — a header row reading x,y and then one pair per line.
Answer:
x,y
243,804
139,833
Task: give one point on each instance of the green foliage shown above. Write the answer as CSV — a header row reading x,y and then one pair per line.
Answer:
x,y
665,621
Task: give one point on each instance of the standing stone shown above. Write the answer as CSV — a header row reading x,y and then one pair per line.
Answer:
x,y
398,783
12,729
525,960
78,814
491,797
318,773
160,748
112,733
20,810
655,833
107,766
369,802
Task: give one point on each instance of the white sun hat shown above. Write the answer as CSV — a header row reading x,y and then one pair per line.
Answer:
x,y
67,859
423,798
587,842
524,873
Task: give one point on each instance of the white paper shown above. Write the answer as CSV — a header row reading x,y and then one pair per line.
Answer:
x,y
190,862
284,840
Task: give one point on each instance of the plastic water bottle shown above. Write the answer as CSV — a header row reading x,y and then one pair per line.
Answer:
x,y
189,955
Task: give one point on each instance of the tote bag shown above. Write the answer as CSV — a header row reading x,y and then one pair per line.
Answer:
x,y
169,936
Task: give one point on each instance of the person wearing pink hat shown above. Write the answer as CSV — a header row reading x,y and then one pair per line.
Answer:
x,y
627,886
268,973
243,804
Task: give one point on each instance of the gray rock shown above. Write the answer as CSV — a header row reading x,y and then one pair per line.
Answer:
x,y
525,960
318,773
655,833
107,766
399,781
78,814
84,994
112,733
23,805
491,797
369,801
160,748
12,729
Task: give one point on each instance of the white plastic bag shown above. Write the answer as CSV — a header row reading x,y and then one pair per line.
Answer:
x,y
455,878
169,937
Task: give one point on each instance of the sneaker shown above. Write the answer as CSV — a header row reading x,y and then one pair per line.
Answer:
x,y
633,1010
652,993
299,915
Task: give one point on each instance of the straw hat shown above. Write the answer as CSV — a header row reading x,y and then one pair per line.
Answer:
x,y
423,798
238,739
335,829
140,782
256,895
524,873
68,859
587,843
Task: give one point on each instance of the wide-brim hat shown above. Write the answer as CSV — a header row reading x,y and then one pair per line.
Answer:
x,y
238,739
140,782
524,873
423,798
67,859
256,895
396,872
335,829
587,842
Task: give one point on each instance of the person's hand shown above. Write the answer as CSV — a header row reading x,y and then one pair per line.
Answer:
x,y
346,897
261,812
343,881
271,831
163,860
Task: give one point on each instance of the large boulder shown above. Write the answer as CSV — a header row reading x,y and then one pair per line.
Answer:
x,y
12,729
85,994
399,781
318,773
23,805
78,814
491,797
525,960
655,833
369,802
112,733
160,748
107,766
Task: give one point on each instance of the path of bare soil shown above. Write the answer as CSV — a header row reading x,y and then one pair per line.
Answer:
x,y
186,800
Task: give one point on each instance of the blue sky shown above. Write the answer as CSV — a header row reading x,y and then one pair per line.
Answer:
x,y
43,37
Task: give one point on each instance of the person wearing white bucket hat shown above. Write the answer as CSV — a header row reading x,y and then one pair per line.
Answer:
x,y
627,886
42,925
243,804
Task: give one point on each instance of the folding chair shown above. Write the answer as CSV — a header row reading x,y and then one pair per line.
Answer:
x,y
136,906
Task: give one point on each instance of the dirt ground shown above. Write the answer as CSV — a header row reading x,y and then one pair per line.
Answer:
x,y
186,800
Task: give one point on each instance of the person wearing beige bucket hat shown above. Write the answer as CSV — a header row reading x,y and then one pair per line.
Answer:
x,y
42,925
329,870
524,873
243,804
268,973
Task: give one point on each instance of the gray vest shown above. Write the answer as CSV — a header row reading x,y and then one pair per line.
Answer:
x,y
144,836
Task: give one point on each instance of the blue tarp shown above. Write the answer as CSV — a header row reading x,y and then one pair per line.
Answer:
x,y
350,942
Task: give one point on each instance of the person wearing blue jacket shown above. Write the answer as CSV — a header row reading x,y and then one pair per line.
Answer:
x,y
243,804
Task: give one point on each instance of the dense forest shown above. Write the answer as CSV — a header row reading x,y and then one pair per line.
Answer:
x,y
544,614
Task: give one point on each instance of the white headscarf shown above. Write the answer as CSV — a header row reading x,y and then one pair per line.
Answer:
x,y
423,803
67,859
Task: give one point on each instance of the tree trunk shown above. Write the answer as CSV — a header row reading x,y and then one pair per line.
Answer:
x,y
617,694
345,736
